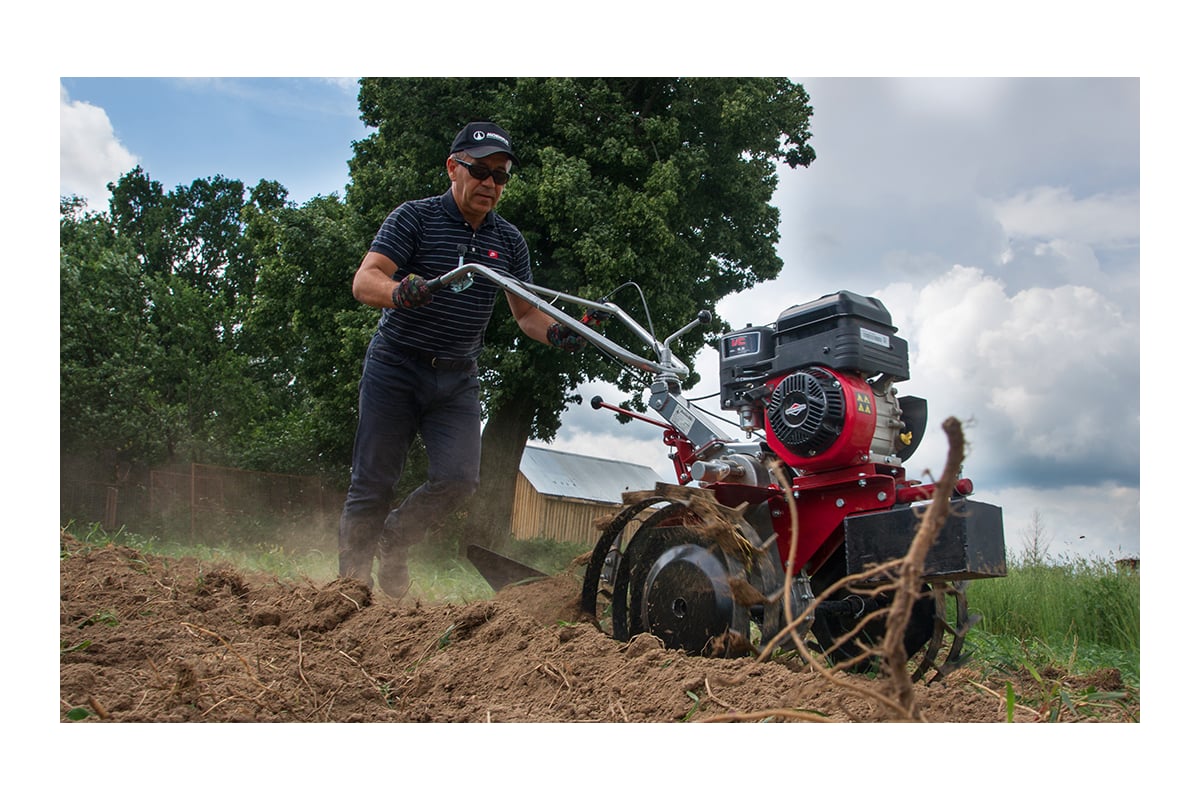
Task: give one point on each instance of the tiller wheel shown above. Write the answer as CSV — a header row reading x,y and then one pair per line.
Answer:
x,y
695,574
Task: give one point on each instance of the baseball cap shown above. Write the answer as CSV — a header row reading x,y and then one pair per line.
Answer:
x,y
479,139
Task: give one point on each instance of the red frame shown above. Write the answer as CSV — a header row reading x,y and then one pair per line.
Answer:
x,y
831,487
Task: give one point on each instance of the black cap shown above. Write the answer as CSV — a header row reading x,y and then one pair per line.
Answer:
x,y
481,139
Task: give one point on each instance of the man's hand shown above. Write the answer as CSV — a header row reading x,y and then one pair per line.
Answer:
x,y
564,338
594,318
411,292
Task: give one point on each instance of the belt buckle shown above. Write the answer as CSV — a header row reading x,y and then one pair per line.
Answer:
x,y
433,361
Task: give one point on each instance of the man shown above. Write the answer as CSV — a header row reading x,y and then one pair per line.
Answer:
x,y
419,374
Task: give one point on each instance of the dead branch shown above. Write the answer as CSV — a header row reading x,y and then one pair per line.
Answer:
x,y
908,584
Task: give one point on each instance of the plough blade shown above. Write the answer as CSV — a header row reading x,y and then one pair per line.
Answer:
x,y
500,571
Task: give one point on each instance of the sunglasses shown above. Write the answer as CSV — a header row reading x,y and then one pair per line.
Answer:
x,y
481,173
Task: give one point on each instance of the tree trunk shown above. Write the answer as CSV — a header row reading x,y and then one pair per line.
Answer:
x,y
489,520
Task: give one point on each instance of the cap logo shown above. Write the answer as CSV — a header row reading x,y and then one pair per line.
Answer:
x,y
479,136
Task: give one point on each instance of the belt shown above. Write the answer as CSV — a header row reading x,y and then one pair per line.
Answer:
x,y
439,362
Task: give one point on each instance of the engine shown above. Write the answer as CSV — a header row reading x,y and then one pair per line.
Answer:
x,y
821,383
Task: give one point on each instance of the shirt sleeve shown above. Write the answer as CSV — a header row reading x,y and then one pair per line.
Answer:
x,y
398,235
521,270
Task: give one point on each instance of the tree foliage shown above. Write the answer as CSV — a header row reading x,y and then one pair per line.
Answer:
x,y
305,333
109,349
210,323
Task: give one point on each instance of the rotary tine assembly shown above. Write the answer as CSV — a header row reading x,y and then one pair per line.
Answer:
x,y
943,628
679,565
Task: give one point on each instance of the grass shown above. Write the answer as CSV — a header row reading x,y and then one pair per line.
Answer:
x,y
1084,614
1051,621
261,556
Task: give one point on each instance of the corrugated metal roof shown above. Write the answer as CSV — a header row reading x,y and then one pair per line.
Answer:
x,y
559,474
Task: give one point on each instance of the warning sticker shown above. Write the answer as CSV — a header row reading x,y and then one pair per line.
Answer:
x,y
681,418
862,402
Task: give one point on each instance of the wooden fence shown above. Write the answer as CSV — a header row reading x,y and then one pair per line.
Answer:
x,y
201,499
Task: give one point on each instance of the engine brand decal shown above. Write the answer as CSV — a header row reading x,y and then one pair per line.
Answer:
x,y
875,338
742,344
862,402
682,419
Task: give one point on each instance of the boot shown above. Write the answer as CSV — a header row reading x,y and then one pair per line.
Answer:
x,y
357,543
393,570
393,555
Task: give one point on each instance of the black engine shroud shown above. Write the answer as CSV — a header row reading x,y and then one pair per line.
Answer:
x,y
844,331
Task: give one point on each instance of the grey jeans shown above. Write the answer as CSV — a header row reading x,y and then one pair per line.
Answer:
x,y
400,395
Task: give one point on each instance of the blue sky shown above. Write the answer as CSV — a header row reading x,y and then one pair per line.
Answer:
x,y
999,221
296,131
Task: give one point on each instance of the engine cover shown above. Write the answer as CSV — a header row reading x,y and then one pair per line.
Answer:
x,y
818,419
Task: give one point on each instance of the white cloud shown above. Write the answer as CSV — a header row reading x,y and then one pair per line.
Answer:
x,y
1049,377
1054,213
90,155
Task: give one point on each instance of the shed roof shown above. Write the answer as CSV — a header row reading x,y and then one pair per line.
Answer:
x,y
559,474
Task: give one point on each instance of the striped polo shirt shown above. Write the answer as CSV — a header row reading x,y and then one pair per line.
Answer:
x,y
423,237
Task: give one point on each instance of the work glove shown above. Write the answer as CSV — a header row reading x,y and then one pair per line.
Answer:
x,y
564,338
411,292
594,318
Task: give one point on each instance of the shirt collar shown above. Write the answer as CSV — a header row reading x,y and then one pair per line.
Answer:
x,y
451,208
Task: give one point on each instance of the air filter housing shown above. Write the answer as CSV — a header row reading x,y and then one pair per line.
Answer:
x,y
844,331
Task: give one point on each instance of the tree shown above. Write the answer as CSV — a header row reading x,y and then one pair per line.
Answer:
x,y
211,323
661,182
1037,542
184,253
304,333
193,232
108,399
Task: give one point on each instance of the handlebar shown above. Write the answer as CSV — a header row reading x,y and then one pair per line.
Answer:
x,y
665,363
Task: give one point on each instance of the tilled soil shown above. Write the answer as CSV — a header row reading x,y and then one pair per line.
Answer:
x,y
148,639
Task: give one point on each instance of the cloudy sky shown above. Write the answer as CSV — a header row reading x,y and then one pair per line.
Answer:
x,y
997,219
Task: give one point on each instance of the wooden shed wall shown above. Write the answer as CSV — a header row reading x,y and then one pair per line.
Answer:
x,y
537,516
